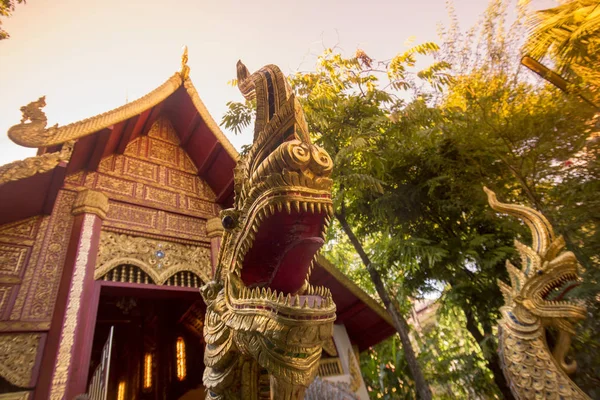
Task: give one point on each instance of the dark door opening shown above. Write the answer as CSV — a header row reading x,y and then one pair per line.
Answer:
x,y
157,348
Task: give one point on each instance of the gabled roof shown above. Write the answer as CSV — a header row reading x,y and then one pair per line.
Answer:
x,y
366,321
29,187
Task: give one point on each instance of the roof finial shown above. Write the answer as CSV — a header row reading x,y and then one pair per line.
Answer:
x,y
185,70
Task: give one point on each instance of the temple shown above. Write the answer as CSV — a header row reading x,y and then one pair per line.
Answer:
x,y
106,237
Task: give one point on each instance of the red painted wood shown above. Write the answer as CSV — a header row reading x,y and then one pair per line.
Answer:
x,y
210,159
58,177
126,136
102,140
225,192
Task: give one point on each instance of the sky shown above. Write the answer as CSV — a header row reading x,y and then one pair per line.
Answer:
x,y
88,57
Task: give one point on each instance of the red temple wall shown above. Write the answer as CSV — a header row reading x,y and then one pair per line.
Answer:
x,y
154,192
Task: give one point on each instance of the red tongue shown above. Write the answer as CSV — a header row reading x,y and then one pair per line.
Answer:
x,y
292,269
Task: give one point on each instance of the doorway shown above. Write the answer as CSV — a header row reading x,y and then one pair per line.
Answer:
x,y
157,346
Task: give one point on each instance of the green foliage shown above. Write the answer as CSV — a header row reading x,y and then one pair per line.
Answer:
x,y
6,9
570,35
412,150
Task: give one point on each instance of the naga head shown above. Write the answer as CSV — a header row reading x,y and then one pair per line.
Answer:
x,y
536,296
281,210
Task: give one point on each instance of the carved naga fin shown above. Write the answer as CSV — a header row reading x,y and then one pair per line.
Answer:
x,y
36,127
541,230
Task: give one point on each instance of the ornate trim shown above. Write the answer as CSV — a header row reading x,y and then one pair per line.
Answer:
x,y
91,202
20,326
214,227
355,377
354,288
18,353
160,259
65,349
15,396
30,166
35,134
208,119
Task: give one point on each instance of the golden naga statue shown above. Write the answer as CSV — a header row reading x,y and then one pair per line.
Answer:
x,y
265,324
533,302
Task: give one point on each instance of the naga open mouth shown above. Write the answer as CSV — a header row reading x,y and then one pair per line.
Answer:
x,y
557,289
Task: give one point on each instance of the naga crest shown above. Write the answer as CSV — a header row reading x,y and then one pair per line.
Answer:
x,y
261,307
534,301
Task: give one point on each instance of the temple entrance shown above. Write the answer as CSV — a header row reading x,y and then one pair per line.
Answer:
x,y
157,346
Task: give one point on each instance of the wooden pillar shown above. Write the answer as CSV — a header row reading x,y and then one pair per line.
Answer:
x,y
214,230
66,358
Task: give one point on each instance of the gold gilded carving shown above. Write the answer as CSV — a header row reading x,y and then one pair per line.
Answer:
x,y
281,327
15,396
533,301
329,347
160,196
185,69
355,377
23,326
158,258
18,352
200,205
182,181
214,227
34,165
24,229
162,129
139,169
41,296
115,185
12,259
35,134
29,270
4,296
106,164
76,178
178,223
65,347
162,151
91,202
128,214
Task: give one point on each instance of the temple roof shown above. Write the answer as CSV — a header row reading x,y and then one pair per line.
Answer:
x,y
366,321
29,187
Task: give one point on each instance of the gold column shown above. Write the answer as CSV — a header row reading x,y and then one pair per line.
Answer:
x,y
214,230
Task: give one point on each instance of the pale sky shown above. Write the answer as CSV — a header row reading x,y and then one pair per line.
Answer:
x,y
87,57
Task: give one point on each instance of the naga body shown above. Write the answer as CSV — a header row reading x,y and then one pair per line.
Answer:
x,y
534,302
265,324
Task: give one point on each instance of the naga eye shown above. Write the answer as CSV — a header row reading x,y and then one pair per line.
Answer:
x,y
228,222
540,272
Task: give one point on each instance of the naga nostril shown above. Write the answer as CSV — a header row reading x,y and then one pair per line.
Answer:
x,y
228,222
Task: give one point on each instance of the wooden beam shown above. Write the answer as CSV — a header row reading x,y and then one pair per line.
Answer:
x,y
195,122
225,192
102,139
140,123
210,158
154,114
129,125
354,309
58,178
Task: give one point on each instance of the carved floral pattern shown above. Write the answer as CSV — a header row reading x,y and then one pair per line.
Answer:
x,y
18,353
160,259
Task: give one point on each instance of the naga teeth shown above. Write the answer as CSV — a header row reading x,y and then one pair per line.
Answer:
x,y
296,206
304,207
288,207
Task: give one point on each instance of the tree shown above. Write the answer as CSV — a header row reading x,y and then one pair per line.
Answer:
x,y
569,35
6,9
